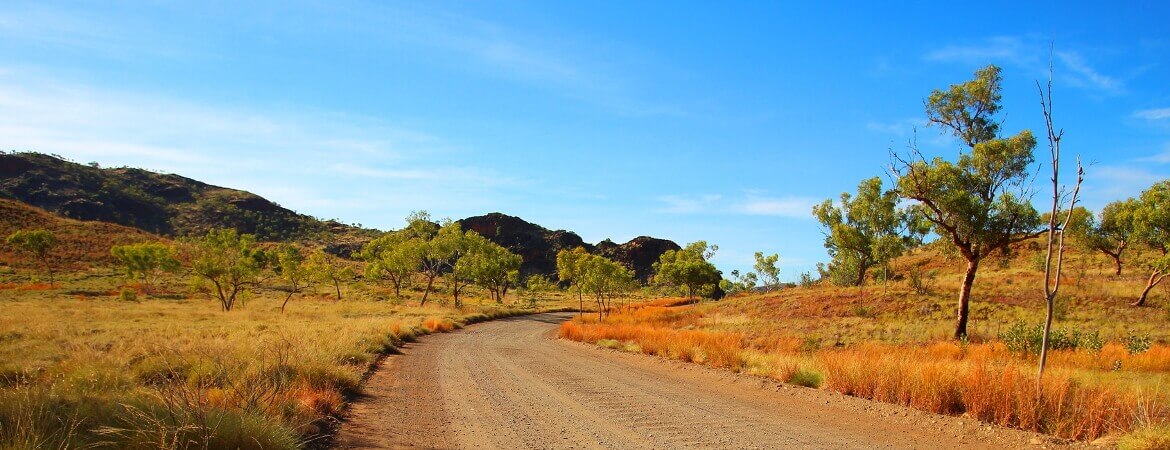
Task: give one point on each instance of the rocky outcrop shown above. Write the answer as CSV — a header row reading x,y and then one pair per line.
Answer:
x,y
539,246
639,254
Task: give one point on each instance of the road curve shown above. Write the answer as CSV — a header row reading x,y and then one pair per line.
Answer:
x,y
511,384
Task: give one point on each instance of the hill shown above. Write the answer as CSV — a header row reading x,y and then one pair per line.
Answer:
x,y
82,244
539,245
164,204
173,206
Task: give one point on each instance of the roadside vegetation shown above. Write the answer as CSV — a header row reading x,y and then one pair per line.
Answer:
x,y
211,342
1086,359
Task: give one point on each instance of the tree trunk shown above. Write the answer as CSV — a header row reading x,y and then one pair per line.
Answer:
x,y
337,287
965,299
1155,278
427,292
286,298
1117,262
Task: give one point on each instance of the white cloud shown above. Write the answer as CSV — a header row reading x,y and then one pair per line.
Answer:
x,y
298,158
751,202
1153,114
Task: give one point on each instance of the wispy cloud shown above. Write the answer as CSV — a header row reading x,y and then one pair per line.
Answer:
x,y
751,202
1031,53
1153,114
1084,75
274,152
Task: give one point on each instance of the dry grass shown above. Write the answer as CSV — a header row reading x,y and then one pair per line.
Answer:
x,y
1085,395
78,367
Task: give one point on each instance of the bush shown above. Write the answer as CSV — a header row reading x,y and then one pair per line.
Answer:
x,y
1024,339
805,377
1137,344
128,295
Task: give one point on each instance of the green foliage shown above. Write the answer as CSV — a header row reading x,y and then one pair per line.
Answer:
x,y
492,267
1151,218
230,262
537,288
393,257
767,271
977,203
1137,344
921,280
39,243
1026,339
688,268
1111,235
866,230
806,280
128,295
602,278
806,377
145,261
329,269
294,269
741,282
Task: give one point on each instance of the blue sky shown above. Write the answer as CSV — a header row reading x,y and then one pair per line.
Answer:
x,y
718,121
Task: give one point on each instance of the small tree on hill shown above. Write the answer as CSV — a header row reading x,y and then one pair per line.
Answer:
x,y
230,262
767,270
145,261
688,268
39,244
1111,236
1152,229
980,203
864,231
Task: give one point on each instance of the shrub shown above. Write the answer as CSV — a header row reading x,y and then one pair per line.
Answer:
x,y
128,295
1137,344
805,377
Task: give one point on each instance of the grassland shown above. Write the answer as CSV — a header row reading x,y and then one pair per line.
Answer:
x,y
890,342
81,367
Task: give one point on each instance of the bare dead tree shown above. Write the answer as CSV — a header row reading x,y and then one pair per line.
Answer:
x,y
1054,258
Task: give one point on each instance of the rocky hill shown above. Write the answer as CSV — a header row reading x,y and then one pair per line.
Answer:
x,y
539,246
172,205
165,204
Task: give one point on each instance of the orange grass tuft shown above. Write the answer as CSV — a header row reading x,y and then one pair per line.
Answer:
x,y
437,325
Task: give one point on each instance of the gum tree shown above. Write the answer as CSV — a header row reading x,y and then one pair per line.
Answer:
x,y
1111,235
689,268
978,203
230,262
39,243
863,231
145,261
1152,229
766,270
293,268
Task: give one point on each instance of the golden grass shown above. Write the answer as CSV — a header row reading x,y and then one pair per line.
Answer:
x,y
172,371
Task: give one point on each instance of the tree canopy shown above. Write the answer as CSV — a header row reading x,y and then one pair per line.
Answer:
x,y
39,243
865,230
689,269
978,203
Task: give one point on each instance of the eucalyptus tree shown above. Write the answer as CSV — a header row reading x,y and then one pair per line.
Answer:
x,y
39,243
1111,235
767,270
604,279
438,254
689,269
145,261
330,269
393,257
1152,229
230,262
491,266
570,270
293,268
865,230
980,202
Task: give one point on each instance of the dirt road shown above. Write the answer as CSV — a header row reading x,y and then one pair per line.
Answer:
x,y
512,384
